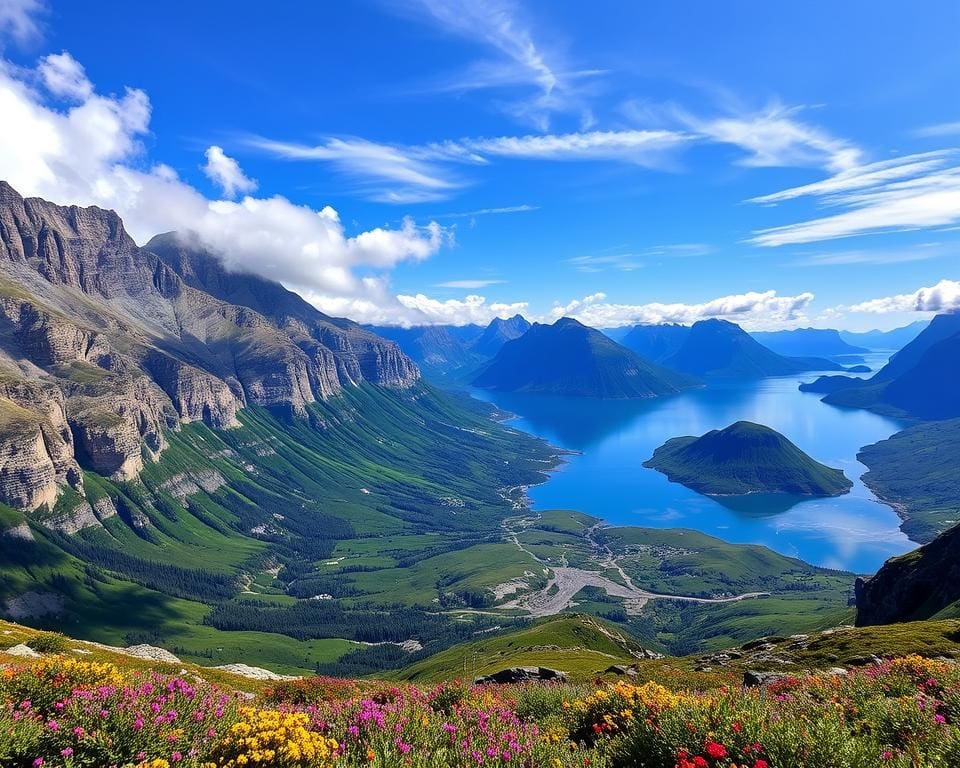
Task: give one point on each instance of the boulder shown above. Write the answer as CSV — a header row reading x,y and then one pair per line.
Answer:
x,y
522,675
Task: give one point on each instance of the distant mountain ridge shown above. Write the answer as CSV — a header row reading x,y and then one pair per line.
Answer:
x,y
884,340
568,358
745,458
721,349
656,342
498,333
807,342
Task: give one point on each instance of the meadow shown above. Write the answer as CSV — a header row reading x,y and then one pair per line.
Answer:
x,y
64,712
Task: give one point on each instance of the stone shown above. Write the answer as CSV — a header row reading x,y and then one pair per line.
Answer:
x,y
24,651
753,679
522,675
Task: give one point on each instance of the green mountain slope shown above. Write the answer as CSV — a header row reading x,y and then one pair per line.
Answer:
x,y
568,358
580,645
745,458
916,472
918,382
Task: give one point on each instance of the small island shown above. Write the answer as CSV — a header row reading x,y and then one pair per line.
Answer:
x,y
745,458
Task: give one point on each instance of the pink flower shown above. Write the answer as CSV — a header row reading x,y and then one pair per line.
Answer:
x,y
176,757
940,719
67,752
38,762
53,725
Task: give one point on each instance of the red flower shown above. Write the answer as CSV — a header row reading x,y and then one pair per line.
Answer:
x,y
714,750
761,764
700,762
737,727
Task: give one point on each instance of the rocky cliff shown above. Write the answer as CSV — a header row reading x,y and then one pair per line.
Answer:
x,y
106,346
918,585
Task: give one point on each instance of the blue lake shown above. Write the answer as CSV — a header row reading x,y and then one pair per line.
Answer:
x,y
612,438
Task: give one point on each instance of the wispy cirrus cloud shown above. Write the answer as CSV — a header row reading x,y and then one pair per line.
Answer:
x,y
625,260
914,192
776,137
921,252
469,285
384,172
519,61
524,208
396,173
21,20
938,130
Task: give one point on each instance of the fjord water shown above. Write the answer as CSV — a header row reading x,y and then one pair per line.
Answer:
x,y
612,438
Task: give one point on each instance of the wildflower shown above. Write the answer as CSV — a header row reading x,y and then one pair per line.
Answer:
x,y
715,750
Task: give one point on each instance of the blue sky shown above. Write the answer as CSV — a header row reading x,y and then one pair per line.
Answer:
x,y
777,164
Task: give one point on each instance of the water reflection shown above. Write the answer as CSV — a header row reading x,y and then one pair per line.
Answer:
x,y
614,438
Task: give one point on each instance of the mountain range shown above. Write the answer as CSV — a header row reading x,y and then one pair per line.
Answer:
x,y
721,349
884,341
445,351
745,458
808,342
568,358
919,381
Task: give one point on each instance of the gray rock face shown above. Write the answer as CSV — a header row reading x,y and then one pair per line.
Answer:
x,y
522,675
105,346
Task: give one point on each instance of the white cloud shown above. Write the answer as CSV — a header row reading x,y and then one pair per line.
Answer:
x,y
775,138
915,192
647,148
90,153
19,20
407,174
622,260
469,285
754,310
942,297
226,173
938,130
864,176
520,62
382,172
64,76
920,252
489,211
379,307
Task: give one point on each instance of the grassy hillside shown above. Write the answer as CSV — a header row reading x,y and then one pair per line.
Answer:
x,y
230,531
745,458
580,645
916,472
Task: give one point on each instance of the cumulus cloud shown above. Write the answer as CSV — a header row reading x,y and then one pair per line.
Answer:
x,y
64,76
754,310
942,297
226,173
379,307
90,153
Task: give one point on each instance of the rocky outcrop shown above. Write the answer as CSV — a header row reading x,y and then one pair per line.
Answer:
x,y
356,355
522,675
105,346
28,477
914,586
196,394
